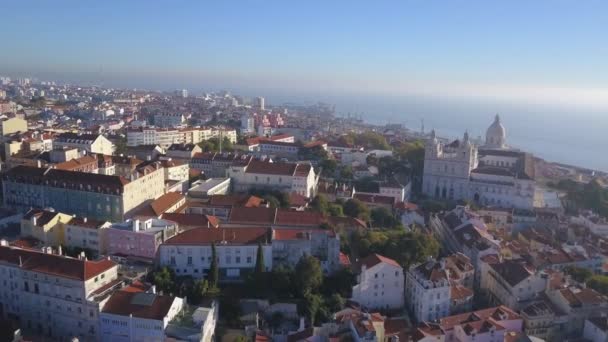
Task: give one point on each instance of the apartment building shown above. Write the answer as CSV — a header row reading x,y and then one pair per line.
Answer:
x,y
54,296
427,291
165,137
296,177
44,225
215,165
83,232
380,283
138,238
290,245
97,196
12,125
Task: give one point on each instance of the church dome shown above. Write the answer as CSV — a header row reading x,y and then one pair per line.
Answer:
x,y
496,135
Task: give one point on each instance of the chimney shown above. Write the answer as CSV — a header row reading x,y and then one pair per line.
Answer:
x,y
136,225
153,289
59,250
84,220
4,243
82,256
302,324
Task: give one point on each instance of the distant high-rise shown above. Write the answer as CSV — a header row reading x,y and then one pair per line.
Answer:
x,y
247,124
184,93
259,103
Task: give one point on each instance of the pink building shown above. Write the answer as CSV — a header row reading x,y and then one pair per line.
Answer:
x,y
139,239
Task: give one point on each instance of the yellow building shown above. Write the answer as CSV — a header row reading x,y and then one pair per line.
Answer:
x,y
46,226
12,125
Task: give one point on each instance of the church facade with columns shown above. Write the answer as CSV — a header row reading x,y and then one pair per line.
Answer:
x,y
490,175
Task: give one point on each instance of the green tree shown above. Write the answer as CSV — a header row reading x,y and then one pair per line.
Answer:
x,y
335,210
281,282
310,305
328,167
214,272
599,283
355,208
346,172
308,276
320,204
198,291
382,217
163,279
579,274
259,261
335,302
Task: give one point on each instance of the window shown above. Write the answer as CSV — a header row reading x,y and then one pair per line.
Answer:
x,y
189,260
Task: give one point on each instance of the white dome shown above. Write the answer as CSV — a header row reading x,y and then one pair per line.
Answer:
x,y
496,135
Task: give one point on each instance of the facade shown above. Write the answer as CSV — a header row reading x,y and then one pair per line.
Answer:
x,y
427,291
92,143
12,125
380,283
512,283
290,245
54,296
298,178
189,253
215,164
45,226
491,175
91,195
82,232
166,137
183,151
138,238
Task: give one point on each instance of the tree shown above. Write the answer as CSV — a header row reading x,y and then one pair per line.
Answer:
x,y
163,279
310,306
320,204
328,167
346,172
308,275
355,208
382,217
259,261
214,274
198,291
579,274
335,302
281,282
335,210
599,283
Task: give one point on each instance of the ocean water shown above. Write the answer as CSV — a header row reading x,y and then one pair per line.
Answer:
x,y
568,135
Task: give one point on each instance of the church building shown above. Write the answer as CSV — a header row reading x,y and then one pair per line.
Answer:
x,y
490,175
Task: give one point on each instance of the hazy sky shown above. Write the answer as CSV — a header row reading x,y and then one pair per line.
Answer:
x,y
530,50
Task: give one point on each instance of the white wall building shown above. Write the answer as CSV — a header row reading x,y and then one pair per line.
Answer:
x,y
52,295
189,253
92,143
427,291
298,178
380,283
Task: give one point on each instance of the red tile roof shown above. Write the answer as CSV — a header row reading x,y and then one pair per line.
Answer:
x,y
166,201
125,303
299,234
52,264
191,220
237,236
374,259
267,168
252,215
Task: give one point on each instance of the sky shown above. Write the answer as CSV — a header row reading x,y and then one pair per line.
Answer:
x,y
539,51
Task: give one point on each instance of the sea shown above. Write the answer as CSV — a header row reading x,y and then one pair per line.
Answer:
x,y
569,135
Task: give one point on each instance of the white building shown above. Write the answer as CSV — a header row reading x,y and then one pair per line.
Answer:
x,y
54,296
596,329
259,103
287,177
247,124
82,232
146,316
92,143
380,283
189,253
491,175
427,291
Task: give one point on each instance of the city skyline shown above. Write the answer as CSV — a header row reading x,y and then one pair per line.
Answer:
x,y
512,51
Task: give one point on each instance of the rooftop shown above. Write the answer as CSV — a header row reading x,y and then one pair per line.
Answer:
x,y
139,304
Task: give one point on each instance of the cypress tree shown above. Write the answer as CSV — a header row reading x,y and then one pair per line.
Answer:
x,y
259,261
213,275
